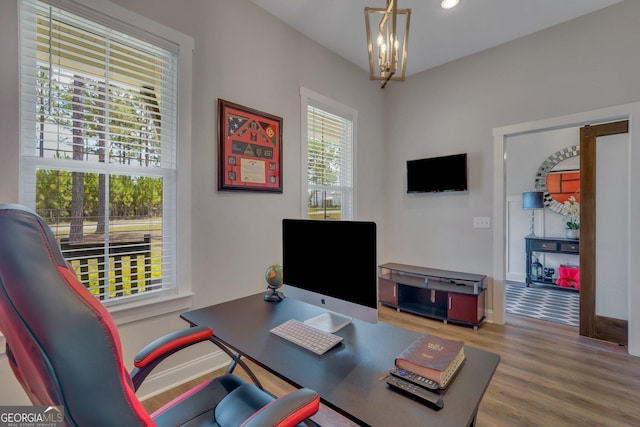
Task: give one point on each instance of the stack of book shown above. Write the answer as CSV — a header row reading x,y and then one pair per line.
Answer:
x,y
432,357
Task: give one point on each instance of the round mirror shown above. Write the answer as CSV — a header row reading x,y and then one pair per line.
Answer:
x,y
558,177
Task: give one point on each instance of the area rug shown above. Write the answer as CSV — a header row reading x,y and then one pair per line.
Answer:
x,y
544,303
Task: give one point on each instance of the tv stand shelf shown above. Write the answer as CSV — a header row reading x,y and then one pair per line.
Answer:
x,y
440,294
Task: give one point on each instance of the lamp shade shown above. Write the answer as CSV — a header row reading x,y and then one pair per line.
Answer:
x,y
533,200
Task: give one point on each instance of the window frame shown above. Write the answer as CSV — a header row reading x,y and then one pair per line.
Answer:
x,y
121,19
310,98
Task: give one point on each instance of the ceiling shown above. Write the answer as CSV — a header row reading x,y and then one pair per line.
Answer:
x,y
436,36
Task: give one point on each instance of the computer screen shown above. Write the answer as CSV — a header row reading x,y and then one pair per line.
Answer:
x,y
331,264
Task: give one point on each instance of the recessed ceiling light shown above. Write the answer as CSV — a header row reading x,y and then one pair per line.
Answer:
x,y
448,4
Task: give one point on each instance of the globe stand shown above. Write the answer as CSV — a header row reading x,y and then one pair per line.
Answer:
x,y
273,276
273,295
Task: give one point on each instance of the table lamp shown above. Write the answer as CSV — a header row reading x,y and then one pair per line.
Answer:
x,y
532,200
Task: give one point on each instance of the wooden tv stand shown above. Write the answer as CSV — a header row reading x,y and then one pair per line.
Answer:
x,y
440,294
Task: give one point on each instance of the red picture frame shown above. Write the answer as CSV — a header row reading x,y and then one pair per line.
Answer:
x,y
250,149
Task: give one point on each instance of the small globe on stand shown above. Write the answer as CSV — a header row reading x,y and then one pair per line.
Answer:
x,y
273,276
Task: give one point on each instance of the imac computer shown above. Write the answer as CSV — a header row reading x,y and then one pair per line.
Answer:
x,y
331,264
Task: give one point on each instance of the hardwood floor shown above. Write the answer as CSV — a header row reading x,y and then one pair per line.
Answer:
x,y
548,375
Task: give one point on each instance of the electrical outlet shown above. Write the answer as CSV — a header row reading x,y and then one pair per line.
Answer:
x,y
481,222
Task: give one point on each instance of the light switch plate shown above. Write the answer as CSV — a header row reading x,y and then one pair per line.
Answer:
x,y
481,222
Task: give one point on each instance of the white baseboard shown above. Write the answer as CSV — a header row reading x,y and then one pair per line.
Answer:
x,y
161,381
516,277
489,316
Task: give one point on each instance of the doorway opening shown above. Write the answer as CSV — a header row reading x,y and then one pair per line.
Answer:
x,y
501,203
542,174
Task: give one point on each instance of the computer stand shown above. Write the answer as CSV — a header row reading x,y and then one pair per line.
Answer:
x,y
329,321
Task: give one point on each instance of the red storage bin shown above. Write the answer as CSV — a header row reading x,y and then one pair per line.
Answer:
x,y
568,277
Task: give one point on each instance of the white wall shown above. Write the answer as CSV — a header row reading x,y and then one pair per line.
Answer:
x,y
244,55
583,65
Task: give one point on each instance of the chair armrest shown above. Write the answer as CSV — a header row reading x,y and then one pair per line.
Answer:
x,y
288,410
154,353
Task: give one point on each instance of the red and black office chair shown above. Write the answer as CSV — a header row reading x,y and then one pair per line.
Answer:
x,y
65,349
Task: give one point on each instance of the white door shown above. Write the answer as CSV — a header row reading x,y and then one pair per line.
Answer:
x,y
612,226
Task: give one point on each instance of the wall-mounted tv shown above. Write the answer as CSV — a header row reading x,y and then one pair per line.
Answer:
x,y
437,174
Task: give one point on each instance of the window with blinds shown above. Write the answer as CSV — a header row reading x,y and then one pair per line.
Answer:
x,y
98,145
329,159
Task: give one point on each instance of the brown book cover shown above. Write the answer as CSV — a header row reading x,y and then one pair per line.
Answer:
x,y
433,357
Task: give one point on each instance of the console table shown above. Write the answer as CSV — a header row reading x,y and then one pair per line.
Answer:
x,y
547,245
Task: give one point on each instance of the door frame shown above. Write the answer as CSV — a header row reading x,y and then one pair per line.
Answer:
x,y
591,324
496,292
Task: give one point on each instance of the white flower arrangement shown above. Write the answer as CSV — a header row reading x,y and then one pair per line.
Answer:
x,y
571,213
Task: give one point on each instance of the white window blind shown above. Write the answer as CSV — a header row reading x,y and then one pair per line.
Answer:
x,y
98,145
329,160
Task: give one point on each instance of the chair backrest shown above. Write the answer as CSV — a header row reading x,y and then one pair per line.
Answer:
x,y
62,343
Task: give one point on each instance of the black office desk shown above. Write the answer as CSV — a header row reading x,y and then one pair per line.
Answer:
x,y
348,376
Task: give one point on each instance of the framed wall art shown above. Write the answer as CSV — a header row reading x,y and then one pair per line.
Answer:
x,y
250,149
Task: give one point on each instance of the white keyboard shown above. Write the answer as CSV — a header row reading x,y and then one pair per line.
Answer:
x,y
306,336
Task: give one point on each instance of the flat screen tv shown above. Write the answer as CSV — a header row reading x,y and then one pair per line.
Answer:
x,y
437,174
331,264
